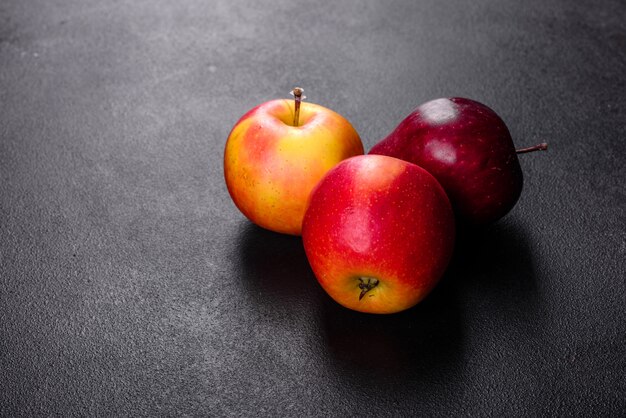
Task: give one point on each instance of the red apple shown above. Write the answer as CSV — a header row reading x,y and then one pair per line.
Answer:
x,y
469,150
378,233
277,153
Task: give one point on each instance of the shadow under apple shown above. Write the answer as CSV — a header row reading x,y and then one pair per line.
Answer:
x,y
274,265
496,264
422,341
491,274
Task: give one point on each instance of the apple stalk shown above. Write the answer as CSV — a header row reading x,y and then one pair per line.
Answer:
x,y
539,147
297,95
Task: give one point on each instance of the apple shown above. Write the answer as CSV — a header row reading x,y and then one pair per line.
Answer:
x,y
277,152
469,150
378,233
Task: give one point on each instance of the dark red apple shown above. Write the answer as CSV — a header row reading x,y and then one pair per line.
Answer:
x,y
468,148
378,233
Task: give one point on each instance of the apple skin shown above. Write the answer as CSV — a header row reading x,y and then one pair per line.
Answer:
x,y
469,150
378,217
271,166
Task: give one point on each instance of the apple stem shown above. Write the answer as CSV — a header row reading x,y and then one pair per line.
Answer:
x,y
539,147
297,95
366,284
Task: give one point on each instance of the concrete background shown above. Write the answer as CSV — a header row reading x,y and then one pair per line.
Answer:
x,y
130,285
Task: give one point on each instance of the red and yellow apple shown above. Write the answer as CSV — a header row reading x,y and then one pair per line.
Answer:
x,y
272,161
379,233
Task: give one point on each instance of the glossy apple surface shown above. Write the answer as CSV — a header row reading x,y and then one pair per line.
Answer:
x,y
378,233
271,166
468,148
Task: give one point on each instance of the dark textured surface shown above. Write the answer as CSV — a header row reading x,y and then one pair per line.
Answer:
x,y
130,285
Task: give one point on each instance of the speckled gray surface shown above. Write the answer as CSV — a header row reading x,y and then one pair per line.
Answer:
x,y
131,286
